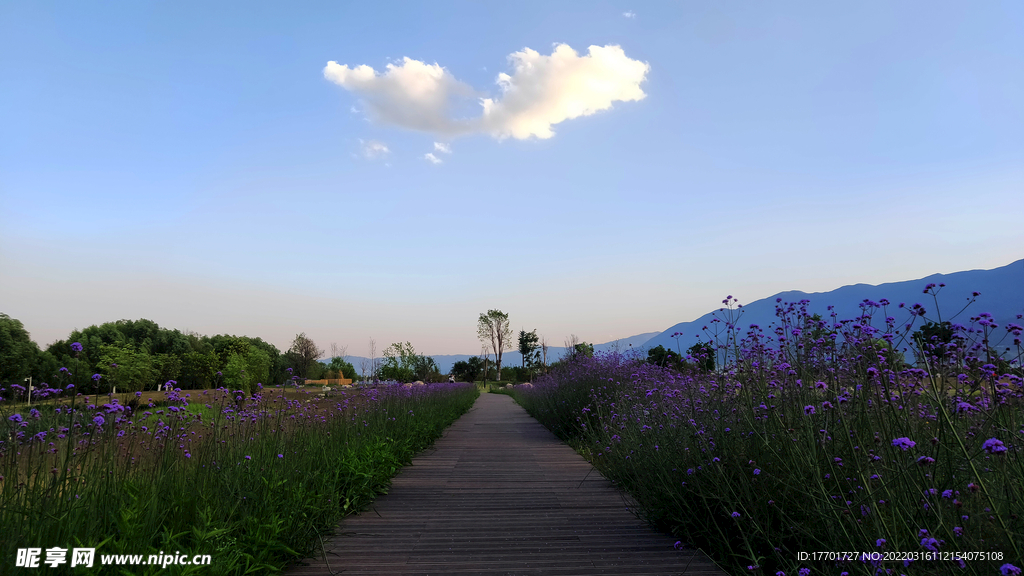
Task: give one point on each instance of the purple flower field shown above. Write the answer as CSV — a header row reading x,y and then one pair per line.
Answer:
x,y
251,480
816,435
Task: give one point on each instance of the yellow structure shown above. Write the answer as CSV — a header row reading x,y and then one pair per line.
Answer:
x,y
330,382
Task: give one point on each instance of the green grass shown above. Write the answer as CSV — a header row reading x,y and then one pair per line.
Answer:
x,y
253,483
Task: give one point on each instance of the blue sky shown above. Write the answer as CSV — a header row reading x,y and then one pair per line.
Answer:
x,y
192,163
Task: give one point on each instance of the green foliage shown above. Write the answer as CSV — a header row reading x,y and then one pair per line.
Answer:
x,y
402,363
660,356
399,362
253,492
529,345
933,338
125,367
20,357
468,370
703,354
198,370
579,350
339,368
304,355
243,372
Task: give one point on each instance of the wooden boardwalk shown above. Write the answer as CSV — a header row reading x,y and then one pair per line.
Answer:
x,y
500,494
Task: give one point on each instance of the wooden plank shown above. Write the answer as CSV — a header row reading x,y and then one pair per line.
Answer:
x,y
500,494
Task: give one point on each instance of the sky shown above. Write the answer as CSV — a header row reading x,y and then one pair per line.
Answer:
x,y
390,170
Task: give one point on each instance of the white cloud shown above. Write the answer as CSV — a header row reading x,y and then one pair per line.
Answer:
x,y
546,90
412,95
442,148
373,149
629,14
540,92
433,159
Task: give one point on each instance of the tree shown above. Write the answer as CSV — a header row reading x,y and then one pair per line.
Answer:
x,y
703,354
493,328
426,369
528,344
338,367
933,338
468,370
399,362
575,348
304,355
125,367
18,353
660,356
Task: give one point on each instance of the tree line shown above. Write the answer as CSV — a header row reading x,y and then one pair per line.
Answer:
x,y
135,355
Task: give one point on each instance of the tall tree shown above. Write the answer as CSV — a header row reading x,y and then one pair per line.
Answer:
x,y
493,328
528,344
18,352
304,354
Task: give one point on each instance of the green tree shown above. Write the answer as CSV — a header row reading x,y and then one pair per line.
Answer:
x,y
236,373
529,343
493,329
426,369
125,367
661,356
198,369
339,368
304,355
399,362
703,354
19,355
468,370
933,338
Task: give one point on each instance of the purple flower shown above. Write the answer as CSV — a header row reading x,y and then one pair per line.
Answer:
x,y
757,471
76,346
99,420
97,377
880,542
280,455
248,457
809,409
805,572
994,446
735,514
930,544
925,460
958,530
904,443
1009,570
15,418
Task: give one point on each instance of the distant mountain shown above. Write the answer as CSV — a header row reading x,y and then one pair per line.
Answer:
x,y
1002,295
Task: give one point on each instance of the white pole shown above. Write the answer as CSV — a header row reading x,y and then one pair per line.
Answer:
x,y
29,380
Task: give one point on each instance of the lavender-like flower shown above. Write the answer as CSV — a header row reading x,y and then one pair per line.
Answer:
x,y
994,446
904,443
76,347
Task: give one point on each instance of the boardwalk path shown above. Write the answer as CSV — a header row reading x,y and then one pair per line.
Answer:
x,y
500,494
